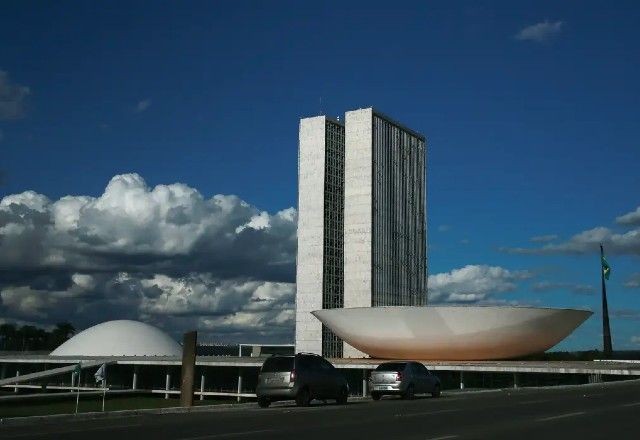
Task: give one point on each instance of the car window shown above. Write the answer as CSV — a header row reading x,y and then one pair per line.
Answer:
x,y
391,366
304,363
421,369
326,365
277,364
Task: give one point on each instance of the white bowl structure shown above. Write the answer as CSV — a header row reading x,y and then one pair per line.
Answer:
x,y
451,332
120,338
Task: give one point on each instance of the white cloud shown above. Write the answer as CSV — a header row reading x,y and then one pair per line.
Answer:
x,y
543,238
580,289
540,32
473,283
588,242
635,340
142,105
633,281
631,218
444,228
165,254
13,98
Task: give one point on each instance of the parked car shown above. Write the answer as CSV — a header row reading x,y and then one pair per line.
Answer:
x,y
302,377
403,378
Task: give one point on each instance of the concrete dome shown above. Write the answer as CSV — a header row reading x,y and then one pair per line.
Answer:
x,y
120,338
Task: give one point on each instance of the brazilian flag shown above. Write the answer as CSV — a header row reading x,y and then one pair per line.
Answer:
x,y
606,269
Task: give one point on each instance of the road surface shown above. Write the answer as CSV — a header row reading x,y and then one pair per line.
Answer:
x,y
610,411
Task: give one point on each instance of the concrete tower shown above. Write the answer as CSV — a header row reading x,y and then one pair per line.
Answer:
x,y
319,270
361,221
384,214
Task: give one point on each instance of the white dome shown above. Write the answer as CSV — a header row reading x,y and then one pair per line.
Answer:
x,y
120,338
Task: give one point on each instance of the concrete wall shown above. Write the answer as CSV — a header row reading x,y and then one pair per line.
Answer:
x,y
357,212
310,234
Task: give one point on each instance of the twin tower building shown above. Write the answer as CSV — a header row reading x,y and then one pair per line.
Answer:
x,y
361,221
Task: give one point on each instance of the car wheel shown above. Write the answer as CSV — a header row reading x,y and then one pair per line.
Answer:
x,y
436,391
409,393
375,395
303,398
343,396
263,402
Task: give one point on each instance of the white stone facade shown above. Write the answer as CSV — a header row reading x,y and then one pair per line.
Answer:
x,y
309,267
357,212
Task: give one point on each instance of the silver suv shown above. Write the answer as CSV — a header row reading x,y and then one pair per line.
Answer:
x,y
403,378
302,377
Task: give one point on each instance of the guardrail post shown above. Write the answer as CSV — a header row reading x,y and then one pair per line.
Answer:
x,y
239,383
15,388
462,380
202,385
167,383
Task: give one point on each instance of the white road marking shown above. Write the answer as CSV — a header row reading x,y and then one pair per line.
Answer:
x,y
531,402
631,404
228,434
427,413
561,416
444,437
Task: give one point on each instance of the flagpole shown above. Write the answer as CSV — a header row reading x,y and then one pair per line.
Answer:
x,y
606,331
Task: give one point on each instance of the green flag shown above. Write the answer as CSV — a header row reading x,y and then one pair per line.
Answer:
x,y
606,269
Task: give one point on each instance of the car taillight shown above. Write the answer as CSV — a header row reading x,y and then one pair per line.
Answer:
x,y
399,376
292,376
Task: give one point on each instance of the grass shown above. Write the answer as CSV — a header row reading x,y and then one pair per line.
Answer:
x,y
92,403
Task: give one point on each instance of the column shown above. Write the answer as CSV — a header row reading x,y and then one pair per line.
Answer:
x,y
134,381
462,380
167,383
364,383
202,386
15,388
239,383
515,380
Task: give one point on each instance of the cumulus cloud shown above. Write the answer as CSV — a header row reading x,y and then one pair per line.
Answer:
x,y
164,254
630,314
580,289
142,105
473,283
540,32
543,238
631,218
633,281
13,98
588,242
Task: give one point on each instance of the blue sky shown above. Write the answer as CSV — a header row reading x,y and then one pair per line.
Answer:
x,y
530,111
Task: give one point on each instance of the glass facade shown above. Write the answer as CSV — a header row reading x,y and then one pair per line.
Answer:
x,y
398,242
333,267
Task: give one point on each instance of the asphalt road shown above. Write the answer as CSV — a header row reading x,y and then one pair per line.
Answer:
x,y
610,411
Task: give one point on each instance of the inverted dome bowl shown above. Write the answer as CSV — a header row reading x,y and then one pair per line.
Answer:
x,y
451,332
